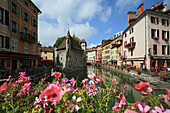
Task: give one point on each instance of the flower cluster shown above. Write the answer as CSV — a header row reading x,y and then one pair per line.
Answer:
x,y
63,95
138,70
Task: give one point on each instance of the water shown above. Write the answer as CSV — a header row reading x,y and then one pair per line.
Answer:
x,y
130,93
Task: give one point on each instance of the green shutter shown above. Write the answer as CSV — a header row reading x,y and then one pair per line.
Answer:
x,y
10,24
22,28
32,21
18,11
10,5
22,14
28,18
18,28
28,31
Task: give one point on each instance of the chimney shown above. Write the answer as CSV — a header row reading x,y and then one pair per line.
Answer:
x,y
140,9
131,16
165,8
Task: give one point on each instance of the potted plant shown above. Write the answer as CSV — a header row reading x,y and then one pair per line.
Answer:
x,y
128,68
165,75
121,67
139,71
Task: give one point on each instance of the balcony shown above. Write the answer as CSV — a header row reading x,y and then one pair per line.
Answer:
x,y
123,57
130,45
156,38
27,37
116,45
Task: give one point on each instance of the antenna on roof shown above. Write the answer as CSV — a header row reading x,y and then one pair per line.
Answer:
x,y
68,27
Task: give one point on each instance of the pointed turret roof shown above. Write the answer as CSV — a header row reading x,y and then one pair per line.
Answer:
x,y
68,35
83,41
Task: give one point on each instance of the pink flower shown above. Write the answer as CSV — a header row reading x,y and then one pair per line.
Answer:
x,y
3,87
123,99
141,86
21,74
74,103
129,111
149,89
65,80
91,76
145,109
56,74
52,92
168,92
160,110
125,86
73,82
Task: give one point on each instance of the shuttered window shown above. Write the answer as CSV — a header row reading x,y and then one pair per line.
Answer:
x,y
154,49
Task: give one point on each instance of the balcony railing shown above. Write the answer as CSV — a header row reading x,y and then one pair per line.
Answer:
x,y
130,45
27,37
156,38
116,45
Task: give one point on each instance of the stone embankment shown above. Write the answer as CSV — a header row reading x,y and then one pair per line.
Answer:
x,y
156,82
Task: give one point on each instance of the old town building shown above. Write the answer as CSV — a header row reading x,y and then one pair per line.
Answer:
x,y
18,34
91,55
47,54
146,39
71,53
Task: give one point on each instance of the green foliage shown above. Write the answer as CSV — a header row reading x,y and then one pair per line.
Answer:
x,y
76,40
59,41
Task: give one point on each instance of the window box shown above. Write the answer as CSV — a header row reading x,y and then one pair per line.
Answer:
x,y
156,38
166,39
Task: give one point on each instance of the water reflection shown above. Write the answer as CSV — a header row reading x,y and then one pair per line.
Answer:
x,y
107,75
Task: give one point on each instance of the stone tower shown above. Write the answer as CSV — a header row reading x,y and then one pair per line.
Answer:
x,y
68,49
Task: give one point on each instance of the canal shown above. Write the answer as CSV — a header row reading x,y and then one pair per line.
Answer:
x,y
130,93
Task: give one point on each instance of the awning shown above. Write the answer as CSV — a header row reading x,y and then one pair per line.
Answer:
x,y
98,60
12,55
111,60
46,60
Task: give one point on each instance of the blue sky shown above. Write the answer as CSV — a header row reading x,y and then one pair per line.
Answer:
x,y
93,20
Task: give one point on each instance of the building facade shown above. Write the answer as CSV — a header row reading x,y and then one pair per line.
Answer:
x,y
91,55
47,54
70,53
106,50
18,34
146,39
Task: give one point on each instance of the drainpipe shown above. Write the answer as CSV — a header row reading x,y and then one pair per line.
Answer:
x,y
147,44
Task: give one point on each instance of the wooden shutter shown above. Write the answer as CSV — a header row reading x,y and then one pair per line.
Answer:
x,y
6,18
157,32
18,28
10,5
10,24
22,14
28,18
167,22
168,50
18,11
162,49
151,19
157,20
151,33
163,22
7,42
168,34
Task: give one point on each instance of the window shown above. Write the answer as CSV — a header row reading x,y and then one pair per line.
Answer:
x,y
34,23
125,35
26,3
165,35
131,30
14,45
25,16
1,16
4,42
45,52
154,20
165,49
165,22
25,30
34,49
132,39
14,8
155,33
26,48
125,43
14,26
154,49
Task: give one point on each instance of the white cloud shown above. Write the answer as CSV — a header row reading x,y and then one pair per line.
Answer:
x,y
126,4
106,14
76,13
108,30
93,45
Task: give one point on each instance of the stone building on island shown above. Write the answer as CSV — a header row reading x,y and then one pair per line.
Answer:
x,y
70,53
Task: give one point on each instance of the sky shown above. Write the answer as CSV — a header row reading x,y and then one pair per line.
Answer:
x,y
92,20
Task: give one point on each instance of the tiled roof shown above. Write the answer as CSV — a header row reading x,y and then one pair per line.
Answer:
x,y
46,49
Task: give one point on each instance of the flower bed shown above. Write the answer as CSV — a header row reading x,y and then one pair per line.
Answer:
x,y
64,95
